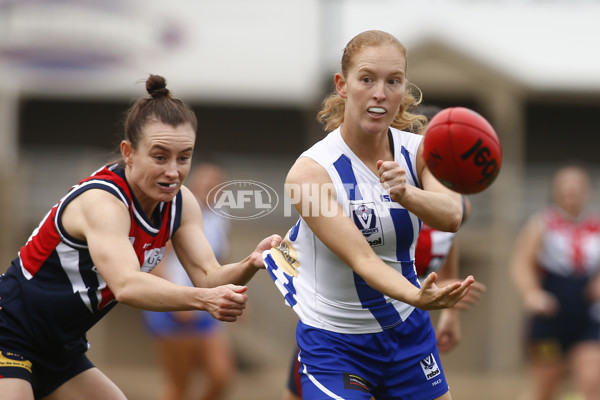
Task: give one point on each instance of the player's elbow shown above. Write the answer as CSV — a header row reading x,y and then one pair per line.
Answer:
x,y
455,222
123,295
449,224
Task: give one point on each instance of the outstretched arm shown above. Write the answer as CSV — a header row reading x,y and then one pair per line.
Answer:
x,y
198,258
103,222
309,178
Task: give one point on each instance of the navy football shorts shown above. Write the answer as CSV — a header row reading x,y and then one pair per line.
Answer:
x,y
44,375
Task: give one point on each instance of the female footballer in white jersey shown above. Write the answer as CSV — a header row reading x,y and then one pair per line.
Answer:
x,y
347,266
436,251
95,247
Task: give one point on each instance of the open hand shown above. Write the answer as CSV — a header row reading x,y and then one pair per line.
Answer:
x,y
471,298
432,297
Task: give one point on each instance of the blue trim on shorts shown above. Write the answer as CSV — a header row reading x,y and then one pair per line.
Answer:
x,y
398,363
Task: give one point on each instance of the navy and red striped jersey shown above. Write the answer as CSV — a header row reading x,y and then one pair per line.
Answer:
x,y
63,294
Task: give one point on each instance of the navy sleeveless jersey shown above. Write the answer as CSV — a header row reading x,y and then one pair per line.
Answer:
x,y
55,293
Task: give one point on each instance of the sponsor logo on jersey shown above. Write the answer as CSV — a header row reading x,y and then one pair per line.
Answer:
x,y
8,359
151,258
367,221
355,382
430,367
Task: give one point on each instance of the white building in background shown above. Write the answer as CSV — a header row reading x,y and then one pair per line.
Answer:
x,y
277,51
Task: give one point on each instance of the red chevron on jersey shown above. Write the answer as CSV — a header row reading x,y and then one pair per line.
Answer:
x,y
51,248
40,245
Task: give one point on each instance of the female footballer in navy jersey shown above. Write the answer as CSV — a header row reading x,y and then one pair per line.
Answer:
x,y
555,267
93,249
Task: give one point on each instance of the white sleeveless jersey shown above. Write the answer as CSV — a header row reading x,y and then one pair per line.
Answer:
x,y
324,291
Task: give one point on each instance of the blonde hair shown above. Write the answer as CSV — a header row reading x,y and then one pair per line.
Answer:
x,y
332,110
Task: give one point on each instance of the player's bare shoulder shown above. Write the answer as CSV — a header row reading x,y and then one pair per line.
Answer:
x,y
307,170
94,209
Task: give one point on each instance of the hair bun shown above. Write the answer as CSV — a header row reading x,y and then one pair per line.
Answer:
x,y
156,86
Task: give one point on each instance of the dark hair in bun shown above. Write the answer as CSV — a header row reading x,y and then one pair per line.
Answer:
x,y
156,86
159,106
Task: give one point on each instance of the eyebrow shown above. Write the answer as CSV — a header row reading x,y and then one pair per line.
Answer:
x,y
162,148
369,70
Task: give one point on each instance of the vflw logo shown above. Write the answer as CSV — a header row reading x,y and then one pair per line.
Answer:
x,y
430,367
365,218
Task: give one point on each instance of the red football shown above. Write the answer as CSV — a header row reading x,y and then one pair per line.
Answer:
x,y
462,150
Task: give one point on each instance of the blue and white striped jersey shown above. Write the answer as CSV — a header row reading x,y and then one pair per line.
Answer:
x,y
324,291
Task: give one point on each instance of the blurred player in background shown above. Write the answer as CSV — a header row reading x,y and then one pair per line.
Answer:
x,y
94,249
187,341
554,267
